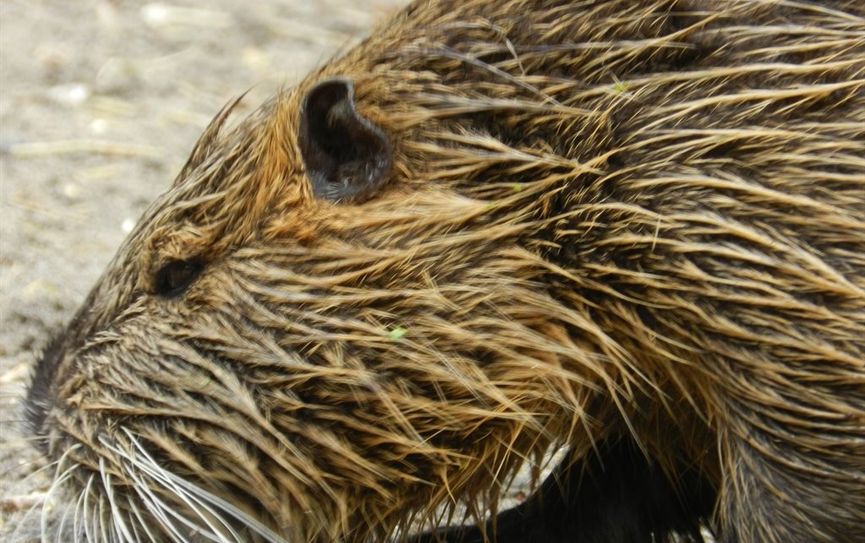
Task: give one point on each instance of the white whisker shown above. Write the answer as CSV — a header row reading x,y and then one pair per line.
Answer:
x,y
77,520
87,517
106,529
154,471
133,506
61,529
189,491
59,480
156,508
116,516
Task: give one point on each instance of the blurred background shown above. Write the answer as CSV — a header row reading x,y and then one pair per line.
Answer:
x,y
100,103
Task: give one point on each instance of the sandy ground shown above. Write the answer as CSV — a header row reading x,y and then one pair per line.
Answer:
x,y
100,103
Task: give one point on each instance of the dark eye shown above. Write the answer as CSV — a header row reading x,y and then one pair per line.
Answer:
x,y
174,277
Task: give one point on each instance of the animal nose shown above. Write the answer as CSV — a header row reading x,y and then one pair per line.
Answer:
x,y
39,395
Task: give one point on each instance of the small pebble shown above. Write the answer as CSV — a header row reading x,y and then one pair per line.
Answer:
x,y
71,190
158,15
70,94
99,126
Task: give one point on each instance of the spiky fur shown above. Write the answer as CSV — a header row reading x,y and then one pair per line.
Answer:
x,y
607,218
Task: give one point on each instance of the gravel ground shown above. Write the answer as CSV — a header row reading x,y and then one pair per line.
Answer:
x,y
100,103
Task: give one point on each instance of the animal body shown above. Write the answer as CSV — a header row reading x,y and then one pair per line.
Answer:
x,y
631,228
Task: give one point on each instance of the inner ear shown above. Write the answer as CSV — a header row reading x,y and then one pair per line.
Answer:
x,y
347,157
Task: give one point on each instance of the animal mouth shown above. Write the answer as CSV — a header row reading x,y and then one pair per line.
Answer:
x,y
119,490
122,474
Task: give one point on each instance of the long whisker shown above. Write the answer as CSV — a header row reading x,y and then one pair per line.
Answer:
x,y
116,516
60,479
191,491
154,472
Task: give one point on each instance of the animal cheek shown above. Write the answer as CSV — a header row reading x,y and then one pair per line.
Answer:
x,y
304,226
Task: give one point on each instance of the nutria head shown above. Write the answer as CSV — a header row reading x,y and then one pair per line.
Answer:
x,y
493,229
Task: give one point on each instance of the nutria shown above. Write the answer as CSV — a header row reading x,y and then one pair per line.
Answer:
x,y
632,228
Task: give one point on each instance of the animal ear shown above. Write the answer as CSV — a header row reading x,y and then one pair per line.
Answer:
x,y
347,157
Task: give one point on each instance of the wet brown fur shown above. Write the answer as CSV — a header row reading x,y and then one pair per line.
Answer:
x,y
605,218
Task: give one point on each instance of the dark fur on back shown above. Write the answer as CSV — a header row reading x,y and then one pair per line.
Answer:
x,y
613,495
633,228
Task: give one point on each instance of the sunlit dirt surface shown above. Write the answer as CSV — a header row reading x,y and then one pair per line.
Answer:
x,y
100,103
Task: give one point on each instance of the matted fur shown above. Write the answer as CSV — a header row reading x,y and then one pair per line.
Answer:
x,y
606,218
